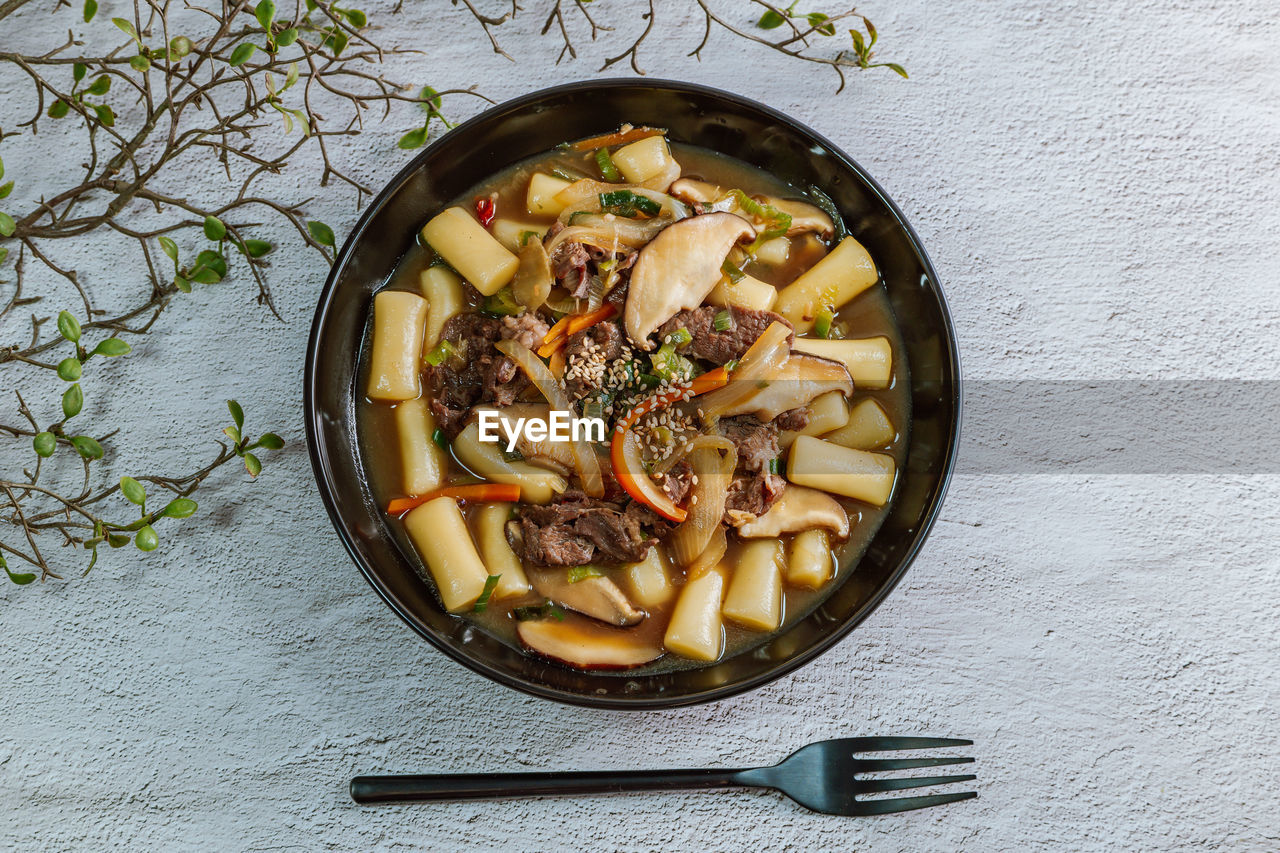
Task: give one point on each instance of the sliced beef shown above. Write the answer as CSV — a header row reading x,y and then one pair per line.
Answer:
x,y
567,257
606,338
529,329
678,481
757,442
793,419
579,529
478,373
753,493
746,325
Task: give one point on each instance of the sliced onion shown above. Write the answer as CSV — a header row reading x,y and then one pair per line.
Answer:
x,y
585,461
710,555
713,459
758,365
609,234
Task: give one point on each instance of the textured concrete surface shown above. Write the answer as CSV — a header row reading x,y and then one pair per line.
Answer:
x,y
1097,185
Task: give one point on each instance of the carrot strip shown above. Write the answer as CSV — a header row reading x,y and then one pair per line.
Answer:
x,y
480,492
617,137
623,457
572,324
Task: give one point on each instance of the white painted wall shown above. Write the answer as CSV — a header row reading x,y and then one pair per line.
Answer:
x,y
1099,192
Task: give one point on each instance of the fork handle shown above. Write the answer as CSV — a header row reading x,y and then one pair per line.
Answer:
x,y
472,786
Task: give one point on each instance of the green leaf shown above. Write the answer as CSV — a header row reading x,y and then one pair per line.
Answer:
x,y
241,54
8,226
182,284
170,248
858,44
179,508
58,109
897,69
78,71
210,267
4,253
112,347
44,444
265,13
213,228
179,47
133,491
1,167
105,115
233,433
86,446
72,401
139,63
237,414
270,441
117,540
69,369
126,27
356,18
90,9
413,139
68,326
256,248
100,86
336,42
6,189
146,539
322,233
871,31
818,21
284,38
430,99
770,20
20,578
252,465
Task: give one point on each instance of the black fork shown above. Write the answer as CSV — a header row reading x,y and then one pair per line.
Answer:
x,y
822,776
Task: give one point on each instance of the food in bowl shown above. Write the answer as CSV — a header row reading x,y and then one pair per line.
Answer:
x,y
634,403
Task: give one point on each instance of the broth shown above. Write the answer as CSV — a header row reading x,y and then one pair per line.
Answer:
x,y
867,315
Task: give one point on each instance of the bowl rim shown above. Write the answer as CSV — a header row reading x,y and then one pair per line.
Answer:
x,y
326,484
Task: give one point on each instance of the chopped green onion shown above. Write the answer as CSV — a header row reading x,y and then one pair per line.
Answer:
x,y
731,269
439,438
627,203
777,223
594,406
777,465
565,176
526,236
605,266
441,353
664,435
511,455
577,574
731,365
823,201
723,321
502,303
577,213
605,162
490,585
822,323
679,337
514,512
670,365
538,611
649,380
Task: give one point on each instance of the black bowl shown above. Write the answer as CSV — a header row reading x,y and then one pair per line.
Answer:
x,y
694,114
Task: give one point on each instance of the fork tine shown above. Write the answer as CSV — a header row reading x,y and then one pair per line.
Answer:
x,y
878,744
906,804
877,785
873,765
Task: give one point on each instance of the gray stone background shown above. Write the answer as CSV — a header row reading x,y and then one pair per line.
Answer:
x,y
1097,184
